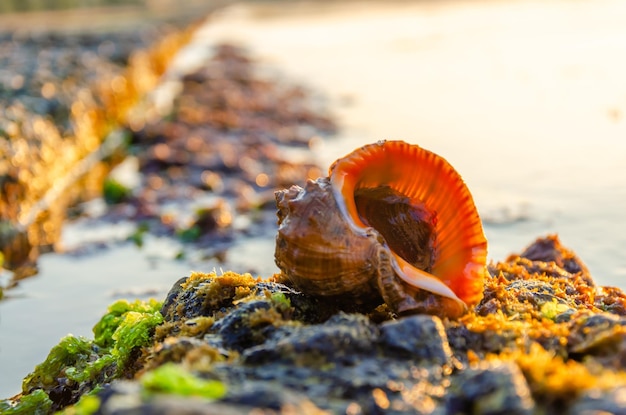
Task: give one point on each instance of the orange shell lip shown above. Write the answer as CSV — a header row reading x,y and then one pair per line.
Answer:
x,y
425,179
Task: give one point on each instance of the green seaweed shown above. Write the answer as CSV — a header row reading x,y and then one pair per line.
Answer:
x,y
190,234
84,364
105,330
114,192
35,403
281,300
70,357
174,379
135,331
551,309
88,404
137,236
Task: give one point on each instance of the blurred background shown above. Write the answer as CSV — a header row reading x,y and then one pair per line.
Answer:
x,y
140,139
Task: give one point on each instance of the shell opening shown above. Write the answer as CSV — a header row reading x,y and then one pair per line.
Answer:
x,y
408,228
423,210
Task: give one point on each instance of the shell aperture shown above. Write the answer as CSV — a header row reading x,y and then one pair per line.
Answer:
x,y
392,221
429,183
408,228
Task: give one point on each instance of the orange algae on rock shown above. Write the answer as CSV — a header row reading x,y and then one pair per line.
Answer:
x,y
543,311
555,379
539,342
215,290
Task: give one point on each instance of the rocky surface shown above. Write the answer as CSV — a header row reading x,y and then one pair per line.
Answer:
x,y
209,165
208,162
544,340
61,96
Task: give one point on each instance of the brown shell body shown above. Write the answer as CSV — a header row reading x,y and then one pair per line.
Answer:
x,y
392,220
317,249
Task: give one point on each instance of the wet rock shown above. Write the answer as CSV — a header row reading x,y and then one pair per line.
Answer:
x,y
535,345
493,388
60,97
611,299
200,295
341,339
124,398
236,331
601,336
188,297
418,338
168,309
272,397
550,249
596,402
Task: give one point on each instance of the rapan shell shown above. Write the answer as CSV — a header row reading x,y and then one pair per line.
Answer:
x,y
392,220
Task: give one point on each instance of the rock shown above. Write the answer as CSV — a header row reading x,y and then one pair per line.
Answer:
x,y
550,249
492,388
236,331
598,402
536,344
123,398
341,339
599,336
417,338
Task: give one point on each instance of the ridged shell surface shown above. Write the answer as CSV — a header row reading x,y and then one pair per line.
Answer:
x,y
317,250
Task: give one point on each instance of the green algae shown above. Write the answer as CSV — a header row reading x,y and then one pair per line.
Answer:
x,y
80,365
114,192
73,358
36,403
135,331
118,318
86,405
190,234
174,379
281,300
137,237
551,309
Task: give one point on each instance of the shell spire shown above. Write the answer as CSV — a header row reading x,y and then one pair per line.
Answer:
x,y
447,255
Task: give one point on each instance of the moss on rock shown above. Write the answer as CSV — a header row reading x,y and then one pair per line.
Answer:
x,y
77,365
544,340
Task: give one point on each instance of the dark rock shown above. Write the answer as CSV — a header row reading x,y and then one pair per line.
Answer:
x,y
418,338
601,336
536,344
167,310
342,338
261,394
535,292
124,398
236,331
611,299
550,249
596,402
493,388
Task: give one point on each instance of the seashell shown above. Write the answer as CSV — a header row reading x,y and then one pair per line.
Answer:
x,y
392,220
